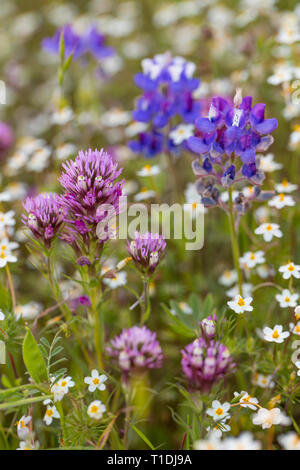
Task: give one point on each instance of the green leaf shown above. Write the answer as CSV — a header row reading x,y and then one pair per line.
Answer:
x,y
5,298
143,437
33,359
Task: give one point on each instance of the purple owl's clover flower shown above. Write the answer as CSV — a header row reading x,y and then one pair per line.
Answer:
x,y
6,138
168,85
44,217
227,142
205,362
146,251
136,349
92,42
90,188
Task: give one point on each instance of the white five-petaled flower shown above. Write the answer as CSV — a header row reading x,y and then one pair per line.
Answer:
x,y
290,269
50,414
246,288
228,277
2,316
289,441
7,219
96,409
295,329
286,187
240,304
96,381
22,427
267,163
246,401
268,231
250,259
62,116
219,411
6,255
119,279
281,200
149,170
181,133
287,299
275,335
267,418
61,387
244,441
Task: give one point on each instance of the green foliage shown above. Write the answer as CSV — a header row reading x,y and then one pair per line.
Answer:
x,y
33,359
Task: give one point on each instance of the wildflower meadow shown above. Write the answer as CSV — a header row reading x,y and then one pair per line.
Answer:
x,y
149,225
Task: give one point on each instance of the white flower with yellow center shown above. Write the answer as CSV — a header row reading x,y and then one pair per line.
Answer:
x,y
144,194
61,388
184,307
219,411
119,279
289,441
7,219
182,133
96,409
282,73
96,381
22,427
267,418
263,381
246,400
295,329
240,304
149,170
50,413
244,441
62,116
297,312
286,187
268,231
287,299
28,311
25,445
290,270
275,335
250,259
6,255
234,291
228,278
281,200
267,163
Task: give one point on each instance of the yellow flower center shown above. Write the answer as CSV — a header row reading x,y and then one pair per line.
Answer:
x,y
96,381
64,383
281,197
285,183
252,256
269,227
94,409
287,299
194,205
49,412
241,302
219,411
291,267
275,334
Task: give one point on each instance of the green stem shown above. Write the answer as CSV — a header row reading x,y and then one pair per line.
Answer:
x,y
62,422
65,310
235,243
